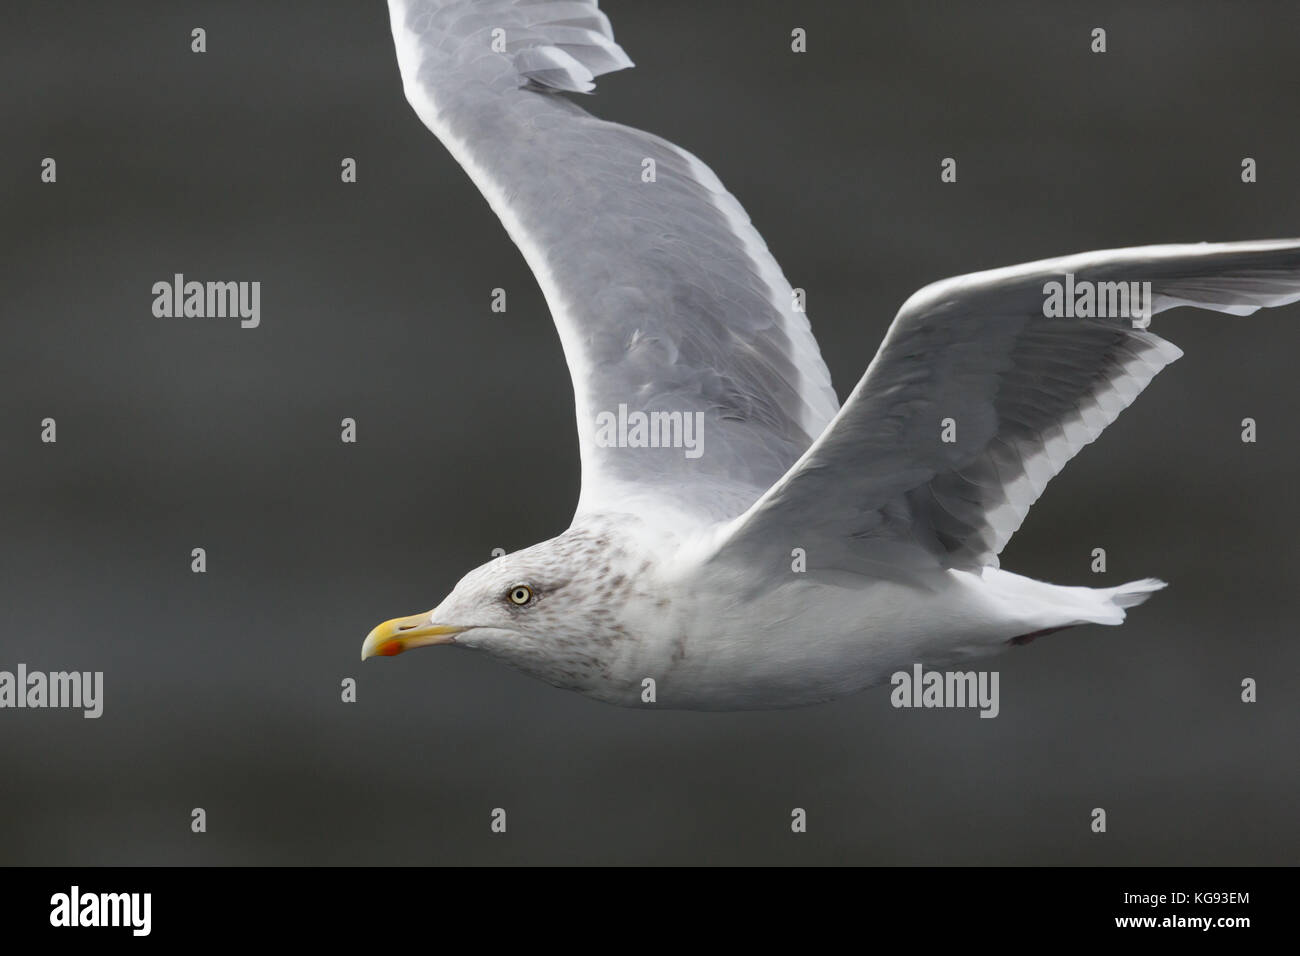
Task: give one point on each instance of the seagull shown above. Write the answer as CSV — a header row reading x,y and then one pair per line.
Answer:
x,y
742,541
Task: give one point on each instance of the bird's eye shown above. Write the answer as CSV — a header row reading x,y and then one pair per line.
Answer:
x,y
521,594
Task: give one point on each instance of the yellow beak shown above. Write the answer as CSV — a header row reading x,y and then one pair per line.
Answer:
x,y
403,633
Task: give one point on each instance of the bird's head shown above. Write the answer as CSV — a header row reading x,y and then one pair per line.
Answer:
x,y
550,610
496,604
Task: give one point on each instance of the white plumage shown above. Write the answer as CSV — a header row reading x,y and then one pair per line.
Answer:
x,y
667,302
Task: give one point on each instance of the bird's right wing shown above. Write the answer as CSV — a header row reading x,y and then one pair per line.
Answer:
x,y
977,398
697,382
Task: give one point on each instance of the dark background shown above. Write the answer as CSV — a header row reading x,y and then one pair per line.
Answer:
x,y
222,690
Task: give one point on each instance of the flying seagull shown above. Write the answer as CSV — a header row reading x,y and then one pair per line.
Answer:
x,y
741,541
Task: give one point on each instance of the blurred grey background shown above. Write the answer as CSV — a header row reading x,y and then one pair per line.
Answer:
x,y
223,689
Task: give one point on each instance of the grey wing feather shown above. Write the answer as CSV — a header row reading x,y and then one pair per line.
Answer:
x,y
665,297
1022,392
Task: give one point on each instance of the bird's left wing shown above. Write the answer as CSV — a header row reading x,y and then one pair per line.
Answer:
x,y
697,382
983,388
